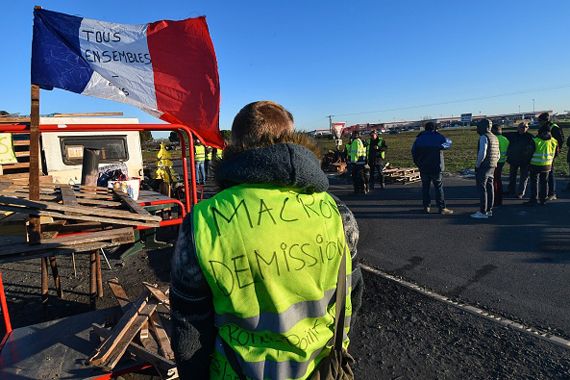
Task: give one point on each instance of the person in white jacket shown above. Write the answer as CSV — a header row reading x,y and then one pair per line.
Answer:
x,y
487,158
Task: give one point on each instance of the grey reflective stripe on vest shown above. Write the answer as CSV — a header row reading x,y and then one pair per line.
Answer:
x,y
284,321
542,158
270,369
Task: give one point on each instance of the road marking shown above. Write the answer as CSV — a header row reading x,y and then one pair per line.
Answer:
x,y
537,333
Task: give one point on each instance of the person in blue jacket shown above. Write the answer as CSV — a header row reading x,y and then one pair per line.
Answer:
x,y
427,152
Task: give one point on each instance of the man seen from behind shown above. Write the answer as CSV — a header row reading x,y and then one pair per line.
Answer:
x,y
427,152
487,158
546,148
558,135
255,269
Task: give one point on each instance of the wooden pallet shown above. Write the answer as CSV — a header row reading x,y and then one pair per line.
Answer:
x,y
402,175
139,332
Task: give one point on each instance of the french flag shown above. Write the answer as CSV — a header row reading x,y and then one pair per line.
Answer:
x,y
166,68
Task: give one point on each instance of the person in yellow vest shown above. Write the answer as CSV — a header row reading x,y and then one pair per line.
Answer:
x,y
255,267
545,148
358,161
497,130
557,134
199,159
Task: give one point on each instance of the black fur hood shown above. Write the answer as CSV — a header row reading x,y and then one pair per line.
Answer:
x,y
285,164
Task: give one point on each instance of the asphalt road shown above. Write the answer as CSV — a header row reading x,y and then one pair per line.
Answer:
x,y
516,263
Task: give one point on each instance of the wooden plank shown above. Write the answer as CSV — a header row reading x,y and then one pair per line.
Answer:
x,y
63,228
43,197
157,293
44,180
123,222
14,119
98,202
57,251
21,142
161,337
90,237
93,189
130,333
125,235
68,195
119,292
112,349
132,204
25,153
157,361
19,165
83,210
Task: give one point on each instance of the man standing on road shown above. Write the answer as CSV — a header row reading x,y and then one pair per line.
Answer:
x,y
546,148
247,277
519,153
427,153
487,158
357,162
558,135
376,156
498,182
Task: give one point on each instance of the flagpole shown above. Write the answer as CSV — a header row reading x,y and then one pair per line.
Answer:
x,y
35,231
34,175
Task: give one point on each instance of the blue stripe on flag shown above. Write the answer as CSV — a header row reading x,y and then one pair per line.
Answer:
x,y
56,54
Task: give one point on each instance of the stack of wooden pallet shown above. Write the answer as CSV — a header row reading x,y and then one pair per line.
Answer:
x,y
87,219
402,175
139,332
95,212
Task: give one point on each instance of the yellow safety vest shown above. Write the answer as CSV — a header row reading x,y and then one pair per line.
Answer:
x,y
544,152
380,141
200,152
503,147
271,258
357,150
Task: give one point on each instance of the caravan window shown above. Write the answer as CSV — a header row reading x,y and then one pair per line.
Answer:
x,y
113,148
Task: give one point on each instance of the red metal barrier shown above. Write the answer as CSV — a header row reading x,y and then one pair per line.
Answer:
x,y
169,222
5,314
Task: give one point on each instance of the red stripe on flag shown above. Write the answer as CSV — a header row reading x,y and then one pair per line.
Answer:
x,y
186,76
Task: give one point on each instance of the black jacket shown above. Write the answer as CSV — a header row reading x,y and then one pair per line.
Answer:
x,y
521,148
192,313
558,134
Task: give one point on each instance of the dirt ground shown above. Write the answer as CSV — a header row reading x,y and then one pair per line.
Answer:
x,y
398,334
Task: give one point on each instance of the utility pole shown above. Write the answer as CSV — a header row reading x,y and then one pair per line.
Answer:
x,y
533,106
330,122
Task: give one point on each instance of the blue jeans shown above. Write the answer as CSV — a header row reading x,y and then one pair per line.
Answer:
x,y
484,178
200,172
427,180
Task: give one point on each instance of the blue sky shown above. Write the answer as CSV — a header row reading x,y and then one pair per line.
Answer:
x,y
363,61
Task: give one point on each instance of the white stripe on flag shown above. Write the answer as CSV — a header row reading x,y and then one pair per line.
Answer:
x,y
119,57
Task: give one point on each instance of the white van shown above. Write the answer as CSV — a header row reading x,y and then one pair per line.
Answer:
x,y
63,151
